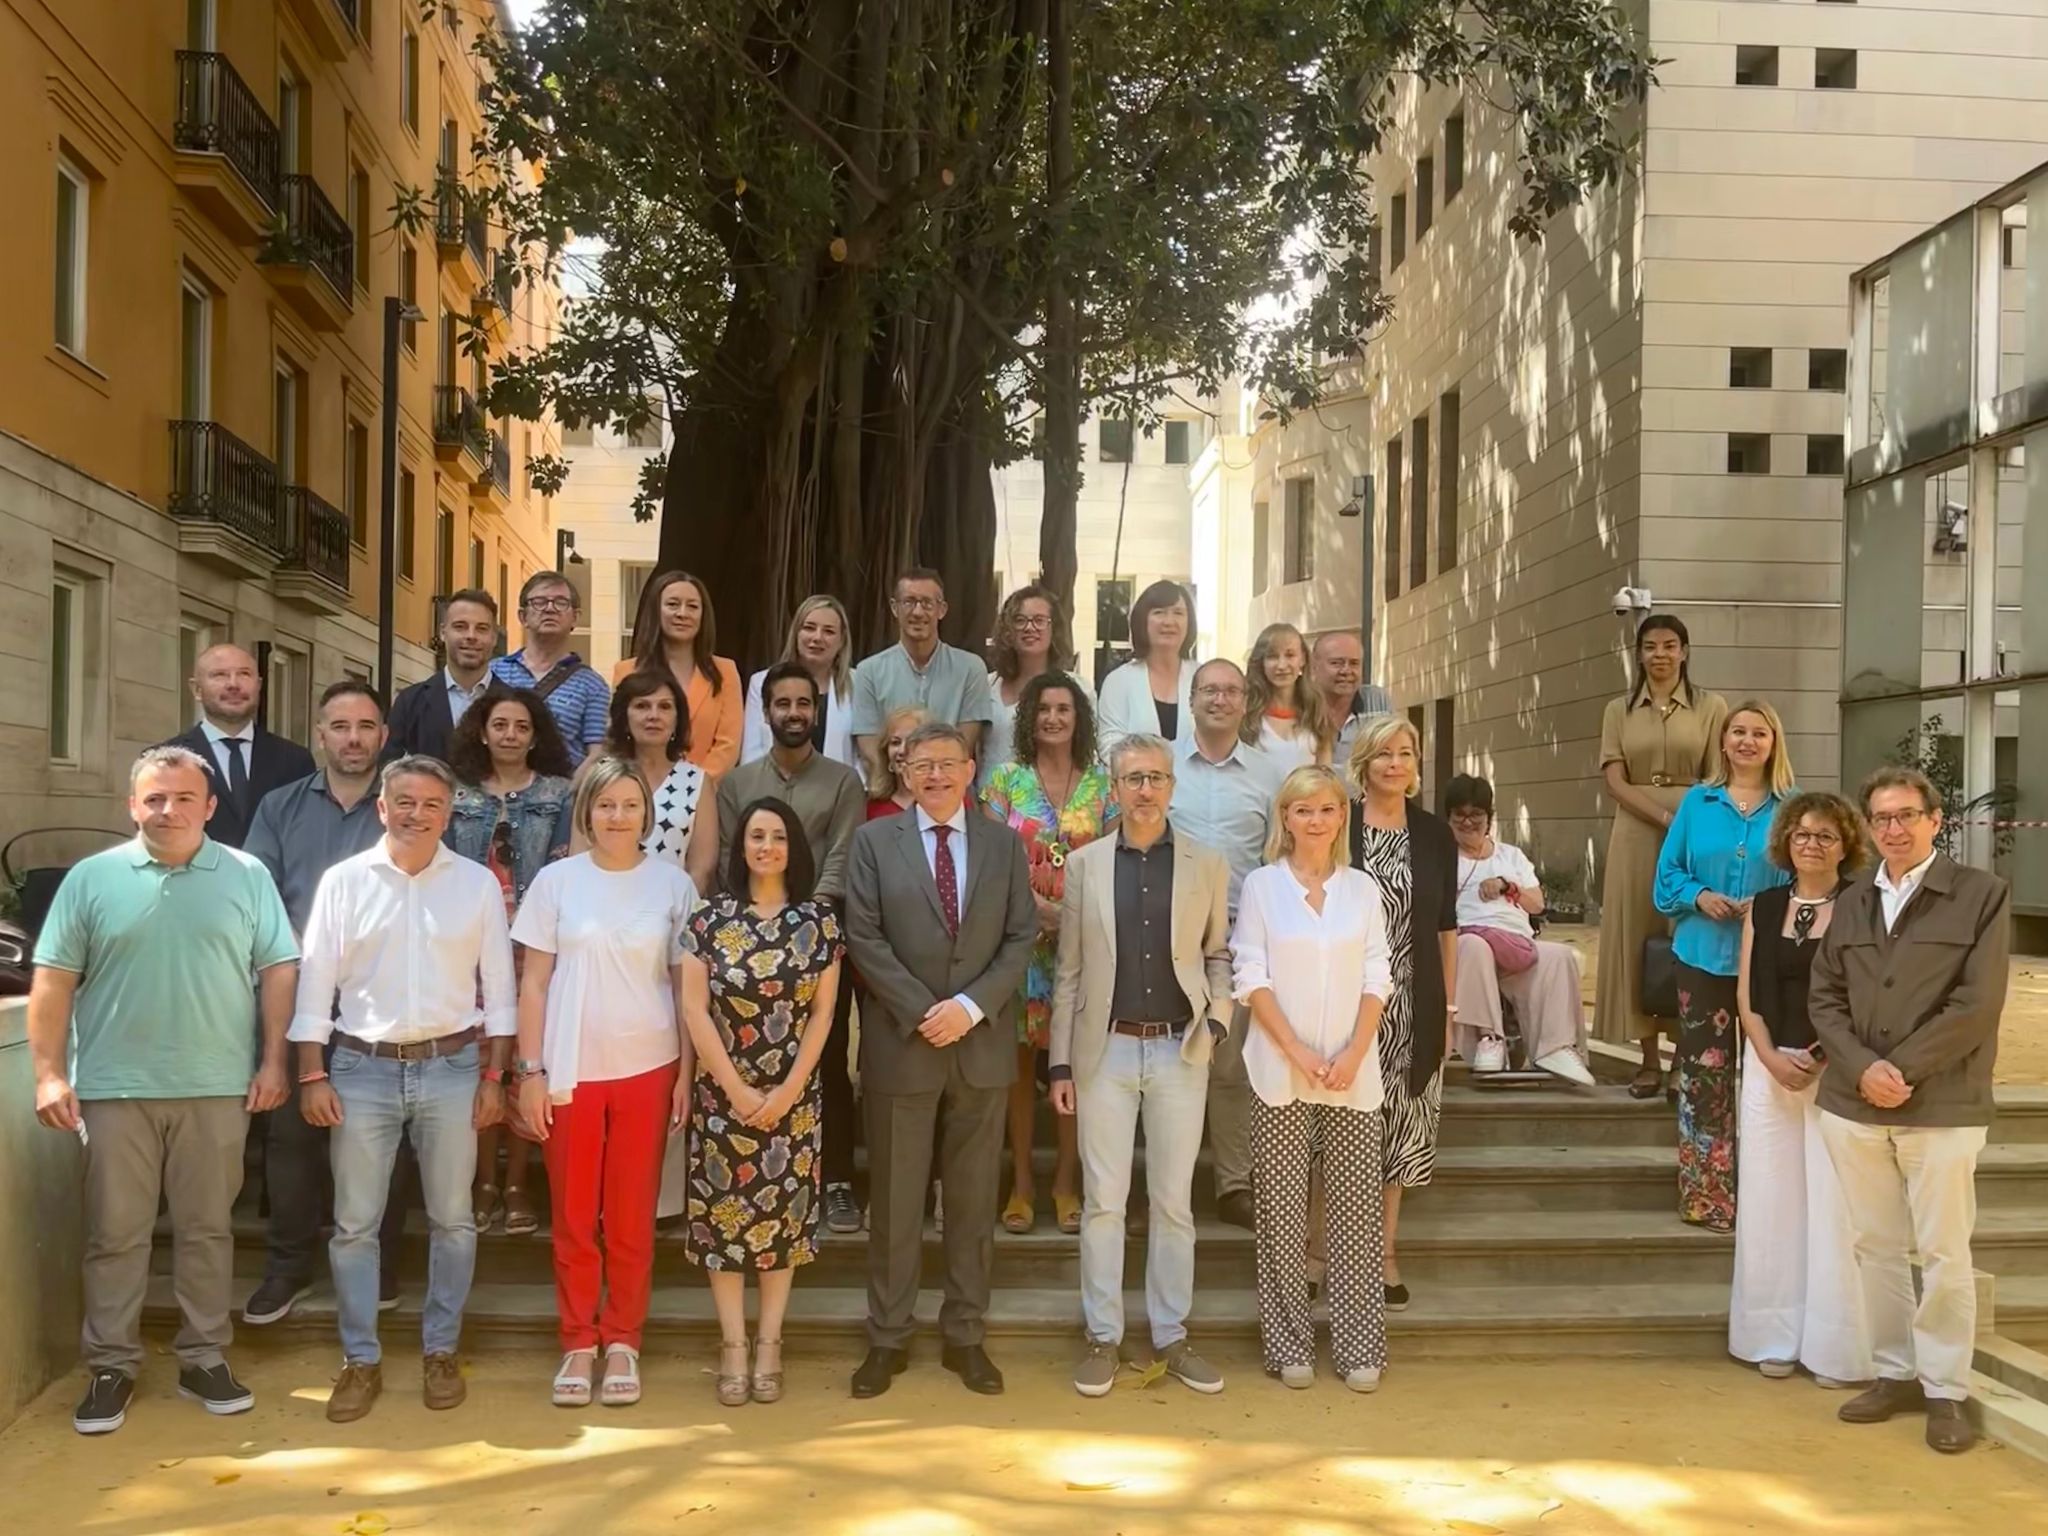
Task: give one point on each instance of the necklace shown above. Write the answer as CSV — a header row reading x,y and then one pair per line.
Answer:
x,y
1805,910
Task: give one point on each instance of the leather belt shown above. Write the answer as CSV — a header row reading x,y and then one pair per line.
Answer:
x,y
1145,1031
1663,781
415,1050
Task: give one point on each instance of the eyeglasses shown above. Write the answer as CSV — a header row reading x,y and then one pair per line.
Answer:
x,y
1465,817
1900,819
1220,691
918,604
1816,839
931,768
551,604
1031,624
1145,780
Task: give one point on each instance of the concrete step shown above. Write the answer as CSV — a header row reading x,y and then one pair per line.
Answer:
x,y
2022,1308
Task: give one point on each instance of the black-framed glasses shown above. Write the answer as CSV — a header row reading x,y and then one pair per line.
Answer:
x,y
1901,819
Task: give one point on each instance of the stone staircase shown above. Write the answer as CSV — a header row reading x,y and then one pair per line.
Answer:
x,y
1550,1230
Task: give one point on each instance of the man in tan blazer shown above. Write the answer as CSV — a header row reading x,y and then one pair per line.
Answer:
x,y
1141,998
1907,990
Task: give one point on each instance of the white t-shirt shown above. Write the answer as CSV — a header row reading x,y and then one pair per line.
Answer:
x,y
615,936
1506,862
1286,743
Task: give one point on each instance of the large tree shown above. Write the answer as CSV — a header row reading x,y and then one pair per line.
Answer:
x,y
860,250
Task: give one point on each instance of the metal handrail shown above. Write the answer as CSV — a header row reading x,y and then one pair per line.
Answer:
x,y
219,114
218,478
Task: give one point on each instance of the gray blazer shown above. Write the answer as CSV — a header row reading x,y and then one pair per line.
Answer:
x,y
1087,970
896,933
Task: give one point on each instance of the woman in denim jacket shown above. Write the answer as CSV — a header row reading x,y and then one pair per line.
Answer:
x,y
512,815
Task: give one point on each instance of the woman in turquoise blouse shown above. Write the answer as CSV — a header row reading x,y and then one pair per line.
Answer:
x,y
1714,860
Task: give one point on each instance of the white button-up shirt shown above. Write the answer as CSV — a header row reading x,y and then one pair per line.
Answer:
x,y
1318,966
1227,806
1893,898
957,846
215,736
404,953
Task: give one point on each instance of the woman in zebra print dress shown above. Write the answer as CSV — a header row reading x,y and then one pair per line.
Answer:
x,y
1413,858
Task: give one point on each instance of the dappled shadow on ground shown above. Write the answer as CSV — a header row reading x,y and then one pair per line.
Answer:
x,y
1658,1448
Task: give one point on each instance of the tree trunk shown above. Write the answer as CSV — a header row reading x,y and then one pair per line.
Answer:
x,y
1057,562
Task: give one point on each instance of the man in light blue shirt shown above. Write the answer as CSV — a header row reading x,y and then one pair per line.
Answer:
x,y
576,696
950,685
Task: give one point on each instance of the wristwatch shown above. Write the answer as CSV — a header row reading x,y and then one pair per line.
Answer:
x,y
525,1068
494,1075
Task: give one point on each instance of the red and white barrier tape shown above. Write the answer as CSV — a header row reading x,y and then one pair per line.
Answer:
x,y
2030,826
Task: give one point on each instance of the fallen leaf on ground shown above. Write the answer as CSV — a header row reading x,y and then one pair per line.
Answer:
x,y
369,1523
175,1461
226,1477
1151,1373
1551,1508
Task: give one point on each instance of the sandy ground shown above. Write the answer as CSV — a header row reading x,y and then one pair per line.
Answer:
x,y
1661,1448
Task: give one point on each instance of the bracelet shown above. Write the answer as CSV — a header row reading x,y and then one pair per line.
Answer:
x,y
524,1074
311,1077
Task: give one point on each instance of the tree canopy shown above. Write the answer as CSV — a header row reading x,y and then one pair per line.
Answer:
x,y
855,249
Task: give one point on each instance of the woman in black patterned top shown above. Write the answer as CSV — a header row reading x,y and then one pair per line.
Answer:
x,y
759,980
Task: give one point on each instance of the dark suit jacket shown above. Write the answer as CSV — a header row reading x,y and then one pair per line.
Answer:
x,y
896,931
421,720
1432,910
1926,997
273,762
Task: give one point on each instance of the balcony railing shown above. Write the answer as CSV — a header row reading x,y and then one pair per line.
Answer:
x,y
314,535
219,114
458,220
458,422
314,233
504,272
218,478
501,463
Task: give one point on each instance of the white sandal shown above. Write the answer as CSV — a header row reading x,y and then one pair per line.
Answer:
x,y
621,1388
572,1387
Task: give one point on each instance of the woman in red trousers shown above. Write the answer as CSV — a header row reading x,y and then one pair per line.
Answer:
x,y
604,1064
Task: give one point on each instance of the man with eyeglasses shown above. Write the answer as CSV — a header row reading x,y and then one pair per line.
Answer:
x,y
950,685
940,920
1140,1001
1907,989
1336,669
576,696
1223,799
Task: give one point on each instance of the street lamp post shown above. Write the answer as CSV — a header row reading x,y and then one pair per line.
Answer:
x,y
396,311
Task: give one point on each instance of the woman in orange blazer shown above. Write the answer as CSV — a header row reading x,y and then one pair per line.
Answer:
x,y
675,629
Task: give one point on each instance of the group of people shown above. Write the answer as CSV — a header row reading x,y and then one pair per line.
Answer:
x,y
1835,1020
629,922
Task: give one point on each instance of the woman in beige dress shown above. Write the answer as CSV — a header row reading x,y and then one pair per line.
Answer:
x,y
1656,742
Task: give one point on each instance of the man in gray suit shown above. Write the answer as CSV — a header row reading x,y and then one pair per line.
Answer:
x,y
940,921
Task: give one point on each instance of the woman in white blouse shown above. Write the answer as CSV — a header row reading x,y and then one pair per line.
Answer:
x,y
816,642
604,1068
1025,643
1148,695
1312,964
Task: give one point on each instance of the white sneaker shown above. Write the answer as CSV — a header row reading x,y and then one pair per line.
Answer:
x,y
1491,1056
1298,1377
1365,1379
1776,1370
1567,1064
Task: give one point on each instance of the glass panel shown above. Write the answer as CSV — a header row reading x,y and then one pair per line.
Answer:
x,y
284,426
1924,733
199,25
194,404
2021,853
70,236
63,650
1907,551
1926,405
2035,253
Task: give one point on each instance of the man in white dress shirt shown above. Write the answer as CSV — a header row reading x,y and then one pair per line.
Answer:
x,y
402,937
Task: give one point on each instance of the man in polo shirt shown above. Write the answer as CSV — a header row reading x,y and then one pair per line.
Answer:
x,y
425,715
950,685
405,937
828,800
302,831
143,1048
1223,799
576,696
1336,670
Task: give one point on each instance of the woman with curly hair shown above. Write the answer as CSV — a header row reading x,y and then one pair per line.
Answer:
x,y
1056,796
512,815
1284,715
1026,645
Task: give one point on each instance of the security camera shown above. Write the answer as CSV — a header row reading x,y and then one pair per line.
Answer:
x,y
1627,600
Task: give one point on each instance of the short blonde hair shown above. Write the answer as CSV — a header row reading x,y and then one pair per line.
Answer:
x,y
1377,734
1778,771
1309,779
599,774
909,717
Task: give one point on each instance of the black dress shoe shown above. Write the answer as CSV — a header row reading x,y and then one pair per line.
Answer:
x,y
879,1370
970,1362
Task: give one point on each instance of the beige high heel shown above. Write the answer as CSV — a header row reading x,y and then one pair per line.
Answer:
x,y
767,1384
733,1387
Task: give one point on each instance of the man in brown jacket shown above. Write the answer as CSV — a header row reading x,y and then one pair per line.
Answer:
x,y
1907,990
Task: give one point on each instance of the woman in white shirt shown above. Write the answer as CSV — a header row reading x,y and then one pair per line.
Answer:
x,y
1499,955
1312,964
604,1068
817,643
1283,714
1149,693
1026,634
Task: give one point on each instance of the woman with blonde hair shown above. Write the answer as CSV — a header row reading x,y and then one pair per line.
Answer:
x,y
1283,714
889,793
1413,859
1311,963
676,632
818,642
1716,860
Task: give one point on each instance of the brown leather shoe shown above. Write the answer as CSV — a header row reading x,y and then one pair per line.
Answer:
x,y
1881,1401
445,1387
355,1390
1949,1429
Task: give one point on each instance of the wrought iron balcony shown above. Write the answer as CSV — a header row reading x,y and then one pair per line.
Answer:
x,y
218,479
458,221
498,474
314,536
218,114
314,234
458,424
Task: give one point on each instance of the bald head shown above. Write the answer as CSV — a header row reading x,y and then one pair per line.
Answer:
x,y
227,686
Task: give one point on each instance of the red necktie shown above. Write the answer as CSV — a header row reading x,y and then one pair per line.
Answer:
x,y
948,879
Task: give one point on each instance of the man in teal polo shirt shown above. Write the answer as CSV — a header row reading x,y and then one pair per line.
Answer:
x,y
139,1024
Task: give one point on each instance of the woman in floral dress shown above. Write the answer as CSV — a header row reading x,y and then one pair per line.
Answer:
x,y
1055,796
759,979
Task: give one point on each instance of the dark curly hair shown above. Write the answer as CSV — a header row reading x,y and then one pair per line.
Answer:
x,y
801,877
1025,732
641,683
1829,807
469,754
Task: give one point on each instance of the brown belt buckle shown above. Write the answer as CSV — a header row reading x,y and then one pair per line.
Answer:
x,y
415,1050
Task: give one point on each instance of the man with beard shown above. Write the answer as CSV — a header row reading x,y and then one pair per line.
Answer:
x,y
243,761
425,715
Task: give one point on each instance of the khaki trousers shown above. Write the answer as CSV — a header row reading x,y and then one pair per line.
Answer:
x,y
188,1153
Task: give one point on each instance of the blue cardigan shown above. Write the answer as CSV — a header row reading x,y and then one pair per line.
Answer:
x,y
1711,846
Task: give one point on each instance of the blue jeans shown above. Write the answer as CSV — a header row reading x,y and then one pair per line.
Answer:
x,y
1140,1079
383,1100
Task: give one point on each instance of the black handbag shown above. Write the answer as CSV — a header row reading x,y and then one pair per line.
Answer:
x,y
1657,986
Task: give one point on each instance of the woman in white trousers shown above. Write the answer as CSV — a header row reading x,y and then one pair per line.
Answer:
x,y
1796,1301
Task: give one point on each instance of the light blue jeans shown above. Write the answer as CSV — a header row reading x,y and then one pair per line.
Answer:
x,y
1140,1079
381,1101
